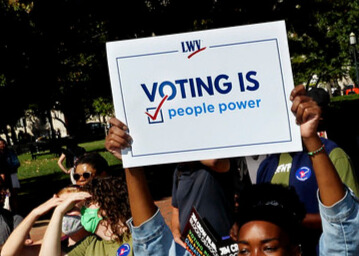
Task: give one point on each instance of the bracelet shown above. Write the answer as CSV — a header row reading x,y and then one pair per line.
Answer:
x,y
313,153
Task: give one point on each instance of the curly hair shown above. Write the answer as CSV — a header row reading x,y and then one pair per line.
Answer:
x,y
110,193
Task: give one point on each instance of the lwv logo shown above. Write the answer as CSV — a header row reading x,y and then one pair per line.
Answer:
x,y
192,47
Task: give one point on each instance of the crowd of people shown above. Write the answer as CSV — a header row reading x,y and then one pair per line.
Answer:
x,y
301,203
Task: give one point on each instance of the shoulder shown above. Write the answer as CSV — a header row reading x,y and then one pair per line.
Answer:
x,y
4,213
8,219
329,144
90,239
267,168
270,162
17,219
81,247
338,153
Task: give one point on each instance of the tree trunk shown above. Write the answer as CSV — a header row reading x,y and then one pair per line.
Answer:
x,y
49,117
13,135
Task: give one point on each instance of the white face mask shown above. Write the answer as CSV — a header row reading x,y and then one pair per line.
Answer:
x,y
71,224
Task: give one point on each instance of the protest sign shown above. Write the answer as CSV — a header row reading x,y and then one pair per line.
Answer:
x,y
201,239
202,95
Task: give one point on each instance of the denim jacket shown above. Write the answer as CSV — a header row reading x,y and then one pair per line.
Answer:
x,y
340,231
340,227
152,237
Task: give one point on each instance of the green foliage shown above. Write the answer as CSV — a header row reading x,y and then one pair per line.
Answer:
x,y
322,39
57,48
103,107
16,31
2,80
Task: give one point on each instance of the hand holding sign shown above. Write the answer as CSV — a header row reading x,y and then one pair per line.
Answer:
x,y
117,138
309,116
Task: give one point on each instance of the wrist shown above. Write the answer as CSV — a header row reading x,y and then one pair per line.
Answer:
x,y
312,143
59,211
176,232
35,214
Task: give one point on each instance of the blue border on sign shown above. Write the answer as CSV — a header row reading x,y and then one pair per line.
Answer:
x,y
219,147
119,75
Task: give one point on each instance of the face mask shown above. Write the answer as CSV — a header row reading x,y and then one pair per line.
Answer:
x,y
71,224
90,219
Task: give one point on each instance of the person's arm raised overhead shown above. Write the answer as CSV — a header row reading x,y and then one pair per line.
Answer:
x,y
307,113
339,208
150,234
51,244
141,202
14,245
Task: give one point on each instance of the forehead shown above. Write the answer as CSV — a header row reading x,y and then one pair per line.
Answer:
x,y
65,194
81,168
261,231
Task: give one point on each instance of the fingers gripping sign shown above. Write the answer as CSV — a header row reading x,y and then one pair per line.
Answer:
x,y
117,138
306,110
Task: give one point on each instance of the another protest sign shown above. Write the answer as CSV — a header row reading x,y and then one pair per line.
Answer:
x,y
201,240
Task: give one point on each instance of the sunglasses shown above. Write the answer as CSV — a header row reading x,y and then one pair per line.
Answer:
x,y
86,175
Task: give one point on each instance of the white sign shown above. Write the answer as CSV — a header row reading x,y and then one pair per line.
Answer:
x,y
204,95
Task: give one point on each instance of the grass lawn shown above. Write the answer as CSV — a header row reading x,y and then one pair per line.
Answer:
x,y
47,164
42,177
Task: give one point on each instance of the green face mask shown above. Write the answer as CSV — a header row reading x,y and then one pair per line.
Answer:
x,y
90,219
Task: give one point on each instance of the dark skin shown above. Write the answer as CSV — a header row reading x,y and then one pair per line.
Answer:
x,y
265,238
308,113
141,202
331,189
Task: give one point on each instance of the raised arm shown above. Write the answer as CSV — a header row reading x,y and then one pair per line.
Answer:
x,y
15,243
51,244
150,234
307,113
141,202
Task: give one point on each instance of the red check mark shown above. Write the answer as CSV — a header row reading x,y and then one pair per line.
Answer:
x,y
199,50
154,117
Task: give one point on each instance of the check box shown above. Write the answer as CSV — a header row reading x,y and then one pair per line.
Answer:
x,y
158,116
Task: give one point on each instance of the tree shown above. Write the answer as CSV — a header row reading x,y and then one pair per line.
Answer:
x,y
319,38
14,63
53,52
103,107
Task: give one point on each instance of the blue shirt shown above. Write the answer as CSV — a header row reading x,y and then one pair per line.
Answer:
x,y
340,231
340,227
152,237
